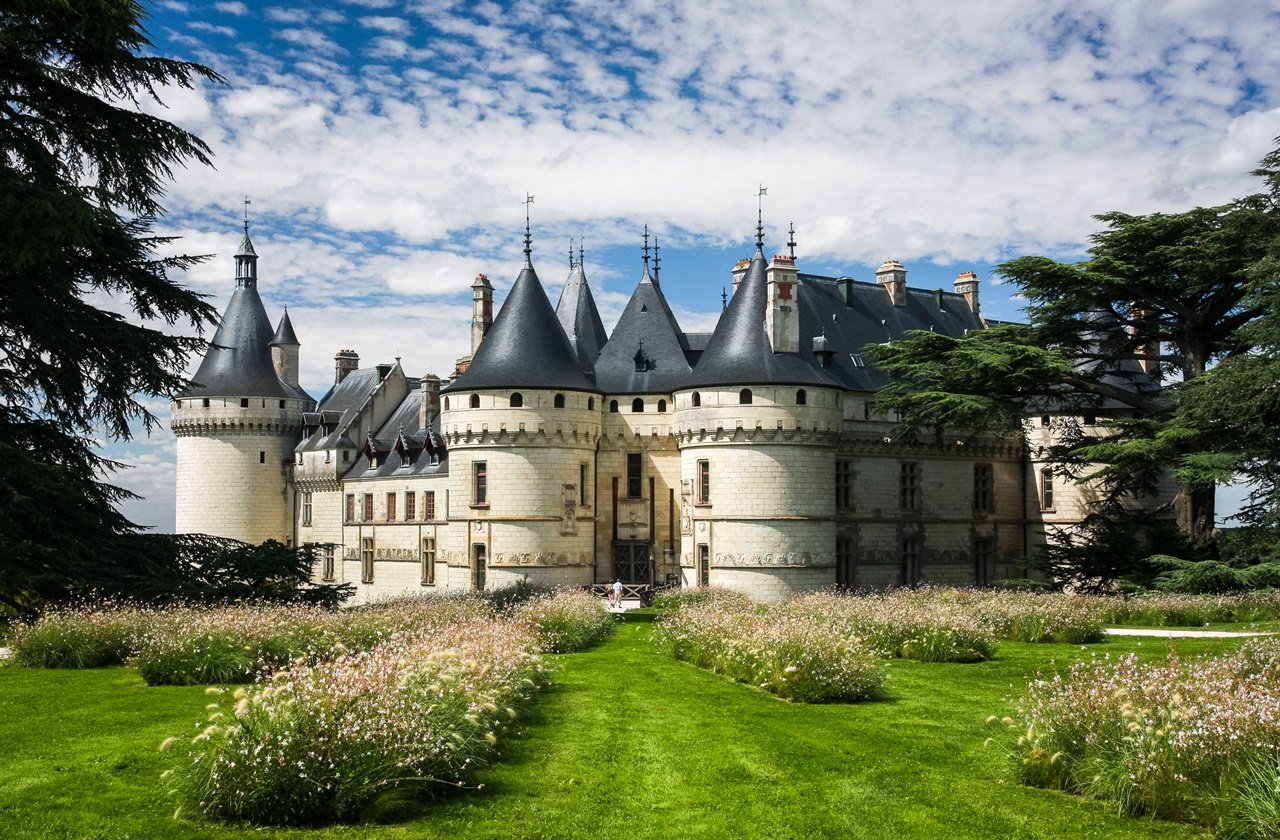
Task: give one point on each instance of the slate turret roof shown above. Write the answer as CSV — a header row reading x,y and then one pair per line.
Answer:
x,y
285,336
647,352
526,346
580,319
739,352
238,361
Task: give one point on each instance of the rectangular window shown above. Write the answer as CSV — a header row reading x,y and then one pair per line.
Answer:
x,y
844,485
704,564
984,498
306,507
410,506
1046,489
910,561
582,485
429,505
368,507
844,562
909,487
983,554
704,482
366,559
428,561
391,507
326,561
351,507
479,483
633,475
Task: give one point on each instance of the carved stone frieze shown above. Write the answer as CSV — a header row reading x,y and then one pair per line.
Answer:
x,y
539,558
782,559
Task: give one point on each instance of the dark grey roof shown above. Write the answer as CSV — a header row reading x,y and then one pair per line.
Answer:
x,y
580,319
647,329
869,317
238,362
246,247
284,332
401,446
525,347
337,410
739,352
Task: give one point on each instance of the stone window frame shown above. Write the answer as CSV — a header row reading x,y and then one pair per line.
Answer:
x,y
909,484
429,561
844,484
1046,489
704,483
366,559
480,484
391,507
306,507
635,479
366,508
984,488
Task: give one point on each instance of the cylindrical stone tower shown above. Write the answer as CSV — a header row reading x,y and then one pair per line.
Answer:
x,y
238,422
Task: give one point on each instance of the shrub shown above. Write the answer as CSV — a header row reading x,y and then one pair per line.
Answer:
x,y
87,636
675,599
320,744
565,621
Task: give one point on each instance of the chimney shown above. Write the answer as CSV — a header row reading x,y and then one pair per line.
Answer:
x,y
967,286
481,310
1148,350
782,317
844,287
893,277
739,272
429,405
345,362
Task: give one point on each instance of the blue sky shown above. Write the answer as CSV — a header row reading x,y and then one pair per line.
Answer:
x,y
387,147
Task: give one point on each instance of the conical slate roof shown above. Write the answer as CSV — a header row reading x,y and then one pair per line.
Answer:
x,y
284,332
739,352
580,319
646,353
526,346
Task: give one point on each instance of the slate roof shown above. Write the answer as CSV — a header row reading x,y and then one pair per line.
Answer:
x,y
739,352
648,329
238,361
401,446
329,426
580,319
525,347
284,332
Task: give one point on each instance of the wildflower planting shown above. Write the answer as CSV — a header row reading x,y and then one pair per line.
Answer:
x,y
86,636
794,655
1195,741
314,745
566,621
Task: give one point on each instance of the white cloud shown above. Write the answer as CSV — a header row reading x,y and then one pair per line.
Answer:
x,y
235,7
389,25
213,29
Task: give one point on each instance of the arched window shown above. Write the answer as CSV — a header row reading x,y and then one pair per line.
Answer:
x,y
591,403
517,400
801,397
637,406
662,406
559,401
613,406
744,396
475,400
446,403
697,399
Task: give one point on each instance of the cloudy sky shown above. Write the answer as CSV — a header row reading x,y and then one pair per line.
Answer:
x,y
387,147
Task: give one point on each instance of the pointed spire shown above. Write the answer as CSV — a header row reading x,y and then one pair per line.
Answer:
x,y
581,240
571,253
528,236
657,260
646,248
791,243
763,191
246,257
284,331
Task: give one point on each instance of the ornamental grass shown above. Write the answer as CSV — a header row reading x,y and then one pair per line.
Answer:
x,y
315,745
794,655
83,636
1196,741
566,621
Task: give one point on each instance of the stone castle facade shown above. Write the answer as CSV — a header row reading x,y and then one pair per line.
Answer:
x,y
748,458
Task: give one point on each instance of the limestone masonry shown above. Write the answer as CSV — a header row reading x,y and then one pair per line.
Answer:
x,y
747,458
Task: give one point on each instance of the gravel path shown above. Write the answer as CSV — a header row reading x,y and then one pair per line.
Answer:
x,y
1181,633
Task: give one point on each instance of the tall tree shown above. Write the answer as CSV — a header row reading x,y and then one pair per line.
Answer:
x,y
85,303
1125,333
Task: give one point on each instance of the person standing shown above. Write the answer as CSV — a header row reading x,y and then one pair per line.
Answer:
x,y
617,593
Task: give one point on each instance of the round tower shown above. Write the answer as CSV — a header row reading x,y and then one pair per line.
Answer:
x,y
757,425
238,422
521,424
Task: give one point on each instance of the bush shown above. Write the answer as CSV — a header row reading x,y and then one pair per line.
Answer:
x,y
1206,577
317,745
89,636
566,621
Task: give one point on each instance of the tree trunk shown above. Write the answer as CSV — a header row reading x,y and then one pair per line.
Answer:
x,y
1195,514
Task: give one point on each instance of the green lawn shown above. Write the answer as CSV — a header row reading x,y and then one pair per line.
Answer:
x,y
627,744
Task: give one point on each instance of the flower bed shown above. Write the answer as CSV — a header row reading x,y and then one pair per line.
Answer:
x,y
87,636
319,744
566,621
1196,741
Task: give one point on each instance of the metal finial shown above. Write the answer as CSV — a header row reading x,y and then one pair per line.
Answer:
x,y
581,258
246,203
763,191
528,235
646,247
571,253
657,260
791,243
724,298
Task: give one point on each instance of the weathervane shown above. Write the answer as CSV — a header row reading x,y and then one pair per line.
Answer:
x,y
657,260
760,216
528,236
571,253
791,243
246,203
646,248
